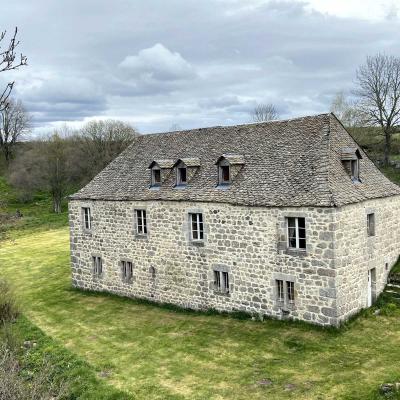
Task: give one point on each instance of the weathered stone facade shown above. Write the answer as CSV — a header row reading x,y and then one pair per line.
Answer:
x,y
308,170
249,243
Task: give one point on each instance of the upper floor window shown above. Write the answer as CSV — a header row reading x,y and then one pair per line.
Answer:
x,y
224,174
229,165
371,224
97,265
87,221
196,226
141,222
156,168
126,271
156,177
350,157
296,232
181,175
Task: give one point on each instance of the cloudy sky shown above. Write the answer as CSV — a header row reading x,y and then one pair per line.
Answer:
x,y
191,63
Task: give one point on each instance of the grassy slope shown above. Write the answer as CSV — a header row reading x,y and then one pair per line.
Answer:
x,y
37,215
159,354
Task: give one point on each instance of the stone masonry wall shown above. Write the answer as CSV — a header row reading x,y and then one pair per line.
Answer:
x,y
356,252
249,243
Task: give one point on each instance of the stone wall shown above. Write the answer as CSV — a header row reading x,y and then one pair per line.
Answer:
x,y
248,242
356,252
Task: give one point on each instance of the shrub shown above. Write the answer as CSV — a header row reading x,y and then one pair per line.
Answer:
x,y
8,306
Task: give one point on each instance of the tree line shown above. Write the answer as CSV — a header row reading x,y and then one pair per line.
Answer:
x,y
65,160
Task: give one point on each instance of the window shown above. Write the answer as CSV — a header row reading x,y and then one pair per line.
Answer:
x,y
141,222
97,266
196,226
296,233
221,281
354,170
87,222
285,292
290,292
371,224
155,177
225,176
182,176
126,270
280,294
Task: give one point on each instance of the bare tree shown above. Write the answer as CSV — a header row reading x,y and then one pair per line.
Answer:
x,y
378,89
346,110
264,112
9,61
102,141
14,123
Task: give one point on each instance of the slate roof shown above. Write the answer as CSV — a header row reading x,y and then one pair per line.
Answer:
x,y
294,162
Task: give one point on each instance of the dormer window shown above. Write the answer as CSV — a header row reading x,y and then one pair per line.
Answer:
x,y
182,176
350,157
224,174
229,165
185,169
156,177
157,174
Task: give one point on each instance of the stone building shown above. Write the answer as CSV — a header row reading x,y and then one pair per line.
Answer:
x,y
285,219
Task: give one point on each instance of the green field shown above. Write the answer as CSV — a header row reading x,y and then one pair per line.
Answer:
x,y
155,353
105,347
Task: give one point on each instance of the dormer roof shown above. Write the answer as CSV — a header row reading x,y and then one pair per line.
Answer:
x,y
233,159
189,162
163,164
350,153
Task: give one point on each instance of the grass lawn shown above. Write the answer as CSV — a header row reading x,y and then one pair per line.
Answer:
x,y
155,353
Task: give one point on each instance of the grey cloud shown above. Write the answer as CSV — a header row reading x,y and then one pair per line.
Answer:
x,y
188,62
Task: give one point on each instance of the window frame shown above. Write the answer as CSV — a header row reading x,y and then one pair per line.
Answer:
x,y
297,229
126,270
199,224
179,181
141,229
280,290
222,168
156,182
97,266
87,218
371,224
221,281
285,292
355,170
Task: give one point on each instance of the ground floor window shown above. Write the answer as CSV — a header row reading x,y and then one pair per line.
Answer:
x,y
285,292
97,266
126,270
221,281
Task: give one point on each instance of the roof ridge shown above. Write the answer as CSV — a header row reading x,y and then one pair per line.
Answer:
x,y
275,121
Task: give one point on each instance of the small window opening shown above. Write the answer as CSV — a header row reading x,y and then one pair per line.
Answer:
x,y
280,294
126,270
296,233
371,224
225,174
97,266
355,170
87,222
221,281
156,177
290,292
152,271
182,176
